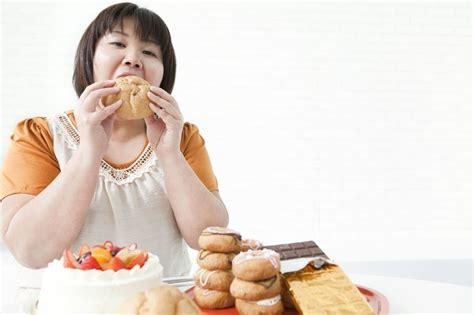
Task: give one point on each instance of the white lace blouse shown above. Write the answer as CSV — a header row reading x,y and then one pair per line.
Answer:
x,y
129,205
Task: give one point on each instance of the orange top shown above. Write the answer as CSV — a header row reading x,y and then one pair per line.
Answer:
x,y
30,164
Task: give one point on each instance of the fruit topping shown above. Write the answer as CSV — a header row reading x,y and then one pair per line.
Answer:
x,y
127,255
84,249
105,257
83,257
90,263
139,260
101,254
115,264
112,248
69,261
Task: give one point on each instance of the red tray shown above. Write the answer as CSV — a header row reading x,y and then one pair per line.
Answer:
x,y
376,299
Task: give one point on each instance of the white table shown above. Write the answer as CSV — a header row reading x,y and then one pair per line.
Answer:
x,y
408,296
405,296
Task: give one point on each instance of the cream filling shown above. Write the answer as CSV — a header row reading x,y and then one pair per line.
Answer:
x,y
269,302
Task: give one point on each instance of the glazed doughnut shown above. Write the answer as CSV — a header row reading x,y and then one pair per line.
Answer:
x,y
255,291
255,265
272,306
213,299
214,280
247,244
213,261
219,239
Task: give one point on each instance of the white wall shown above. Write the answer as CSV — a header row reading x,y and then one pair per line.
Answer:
x,y
346,123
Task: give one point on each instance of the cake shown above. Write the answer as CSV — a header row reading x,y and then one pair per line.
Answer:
x,y
98,280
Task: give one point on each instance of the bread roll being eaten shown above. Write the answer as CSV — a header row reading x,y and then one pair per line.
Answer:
x,y
133,93
162,300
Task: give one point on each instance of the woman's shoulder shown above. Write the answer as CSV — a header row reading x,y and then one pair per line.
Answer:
x,y
32,125
191,132
36,129
190,136
190,128
33,132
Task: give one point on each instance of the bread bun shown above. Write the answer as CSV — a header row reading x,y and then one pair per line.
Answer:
x,y
162,300
133,93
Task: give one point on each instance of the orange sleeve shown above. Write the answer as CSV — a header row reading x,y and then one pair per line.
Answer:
x,y
30,164
194,150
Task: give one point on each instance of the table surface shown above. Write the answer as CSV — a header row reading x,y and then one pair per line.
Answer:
x,y
405,296
409,296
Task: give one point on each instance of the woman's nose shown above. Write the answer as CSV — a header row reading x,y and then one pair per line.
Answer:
x,y
133,61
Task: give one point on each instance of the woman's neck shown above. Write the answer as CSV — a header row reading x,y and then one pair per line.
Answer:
x,y
125,130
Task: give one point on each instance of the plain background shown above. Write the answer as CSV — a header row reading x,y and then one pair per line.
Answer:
x,y
347,123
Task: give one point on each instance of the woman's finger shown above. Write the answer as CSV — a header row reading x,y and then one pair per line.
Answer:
x,y
166,117
94,97
165,95
95,86
168,107
101,114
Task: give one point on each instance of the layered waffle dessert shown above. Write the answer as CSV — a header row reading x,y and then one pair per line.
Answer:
x,y
313,284
97,279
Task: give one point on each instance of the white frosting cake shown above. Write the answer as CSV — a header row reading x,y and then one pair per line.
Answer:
x,y
72,291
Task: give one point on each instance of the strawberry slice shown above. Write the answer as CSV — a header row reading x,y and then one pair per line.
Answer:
x,y
139,260
69,261
90,263
84,249
115,264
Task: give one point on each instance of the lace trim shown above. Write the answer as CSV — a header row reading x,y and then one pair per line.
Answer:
x,y
145,162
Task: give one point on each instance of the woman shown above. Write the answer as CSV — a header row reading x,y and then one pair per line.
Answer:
x,y
86,176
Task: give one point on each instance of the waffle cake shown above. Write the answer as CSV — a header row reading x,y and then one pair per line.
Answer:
x,y
316,285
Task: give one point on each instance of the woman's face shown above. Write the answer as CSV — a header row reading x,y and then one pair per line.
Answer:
x,y
122,53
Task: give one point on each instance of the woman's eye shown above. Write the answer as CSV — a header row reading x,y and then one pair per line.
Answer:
x,y
118,44
150,53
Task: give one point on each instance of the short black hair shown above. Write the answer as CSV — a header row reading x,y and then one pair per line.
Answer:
x,y
148,27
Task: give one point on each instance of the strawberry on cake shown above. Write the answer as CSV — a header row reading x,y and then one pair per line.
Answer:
x,y
97,280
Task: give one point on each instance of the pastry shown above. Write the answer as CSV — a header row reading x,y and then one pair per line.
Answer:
x,y
255,265
219,239
214,280
213,261
213,299
133,93
271,306
247,244
163,300
254,291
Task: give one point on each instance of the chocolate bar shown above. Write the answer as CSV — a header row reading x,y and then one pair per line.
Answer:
x,y
298,250
315,288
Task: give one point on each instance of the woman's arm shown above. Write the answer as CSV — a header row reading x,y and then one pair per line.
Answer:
x,y
194,206
38,231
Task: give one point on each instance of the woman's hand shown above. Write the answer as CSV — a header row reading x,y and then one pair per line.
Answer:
x,y
164,132
94,121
